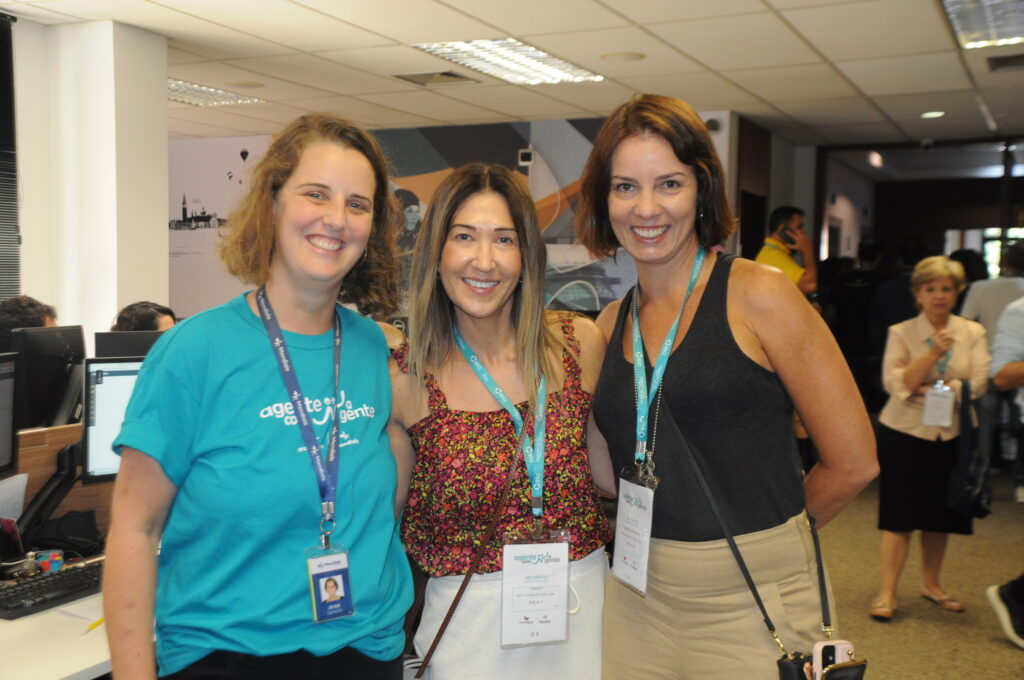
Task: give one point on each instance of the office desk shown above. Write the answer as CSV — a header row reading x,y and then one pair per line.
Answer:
x,y
50,646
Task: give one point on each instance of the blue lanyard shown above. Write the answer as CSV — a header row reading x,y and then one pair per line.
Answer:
x,y
326,475
533,452
941,364
644,399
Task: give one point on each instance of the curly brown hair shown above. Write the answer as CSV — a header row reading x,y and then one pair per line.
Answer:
x,y
248,248
677,123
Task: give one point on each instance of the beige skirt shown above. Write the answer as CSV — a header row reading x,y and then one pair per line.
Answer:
x,y
699,619
471,647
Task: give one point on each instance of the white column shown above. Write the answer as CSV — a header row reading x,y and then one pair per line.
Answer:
x,y
100,242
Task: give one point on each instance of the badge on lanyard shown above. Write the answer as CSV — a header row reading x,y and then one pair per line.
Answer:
x,y
534,567
330,590
940,399
636,491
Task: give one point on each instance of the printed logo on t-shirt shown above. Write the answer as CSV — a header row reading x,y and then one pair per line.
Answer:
x,y
320,410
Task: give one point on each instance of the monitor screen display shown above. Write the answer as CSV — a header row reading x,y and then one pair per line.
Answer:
x,y
125,343
8,435
49,371
108,386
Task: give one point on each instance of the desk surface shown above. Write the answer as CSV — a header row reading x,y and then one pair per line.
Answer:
x,y
50,645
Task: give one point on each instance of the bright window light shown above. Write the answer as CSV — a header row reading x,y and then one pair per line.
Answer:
x,y
986,23
510,60
200,95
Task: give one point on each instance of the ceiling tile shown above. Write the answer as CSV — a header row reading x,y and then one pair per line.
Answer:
x,y
656,11
746,41
395,60
367,113
902,107
187,128
879,28
861,133
320,73
789,4
176,56
541,16
225,119
407,21
518,102
298,27
703,91
40,15
900,75
832,111
803,81
217,74
597,98
187,32
585,49
267,111
432,105
977,63
947,127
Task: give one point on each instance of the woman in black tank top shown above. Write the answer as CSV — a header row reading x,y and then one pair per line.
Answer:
x,y
748,350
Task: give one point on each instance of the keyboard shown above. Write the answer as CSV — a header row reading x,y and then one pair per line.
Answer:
x,y
38,593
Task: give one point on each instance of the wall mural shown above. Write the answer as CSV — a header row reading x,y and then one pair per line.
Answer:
x,y
207,177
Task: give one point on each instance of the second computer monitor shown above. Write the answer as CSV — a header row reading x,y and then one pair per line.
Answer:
x,y
8,435
108,386
125,343
49,373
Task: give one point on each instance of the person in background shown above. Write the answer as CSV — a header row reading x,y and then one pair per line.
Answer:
x,y
786,235
144,316
254,447
893,301
1008,373
483,357
975,269
985,303
748,349
917,451
1007,601
22,311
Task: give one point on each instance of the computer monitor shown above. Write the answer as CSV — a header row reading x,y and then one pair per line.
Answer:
x,y
108,386
125,343
8,434
48,382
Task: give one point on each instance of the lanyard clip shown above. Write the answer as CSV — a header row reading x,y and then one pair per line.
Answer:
x,y
325,540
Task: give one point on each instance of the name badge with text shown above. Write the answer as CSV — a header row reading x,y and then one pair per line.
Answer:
x,y
939,404
633,534
534,593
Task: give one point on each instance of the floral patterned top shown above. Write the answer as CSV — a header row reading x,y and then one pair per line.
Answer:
x,y
462,464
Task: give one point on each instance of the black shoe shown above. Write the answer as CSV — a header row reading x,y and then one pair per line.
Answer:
x,y
1010,613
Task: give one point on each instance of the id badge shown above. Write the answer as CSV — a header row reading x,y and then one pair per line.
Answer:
x,y
329,588
535,590
633,534
939,404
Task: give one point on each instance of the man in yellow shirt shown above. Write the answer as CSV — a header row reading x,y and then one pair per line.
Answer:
x,y
786,234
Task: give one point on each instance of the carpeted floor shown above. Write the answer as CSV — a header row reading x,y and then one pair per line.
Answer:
x,y
924,642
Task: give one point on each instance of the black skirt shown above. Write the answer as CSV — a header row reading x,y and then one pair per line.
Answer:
x,y
913,479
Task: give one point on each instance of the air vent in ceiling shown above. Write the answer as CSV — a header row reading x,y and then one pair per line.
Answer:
x,y
1007,62
440,78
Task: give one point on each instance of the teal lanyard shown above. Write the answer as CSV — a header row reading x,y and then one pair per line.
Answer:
x,y
533,452
644,399
941,364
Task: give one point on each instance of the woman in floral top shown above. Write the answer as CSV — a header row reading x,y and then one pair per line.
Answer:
x,y
479,276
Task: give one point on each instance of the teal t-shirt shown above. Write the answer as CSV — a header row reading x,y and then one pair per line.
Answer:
x,y
211,407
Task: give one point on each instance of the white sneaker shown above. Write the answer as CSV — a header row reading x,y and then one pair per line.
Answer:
x,y
1018,494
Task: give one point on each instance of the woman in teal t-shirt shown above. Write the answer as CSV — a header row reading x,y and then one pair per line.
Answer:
x,y
254,446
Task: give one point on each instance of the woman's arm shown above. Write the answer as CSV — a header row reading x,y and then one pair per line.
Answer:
x,y
142,497
798,346
592,347
916,373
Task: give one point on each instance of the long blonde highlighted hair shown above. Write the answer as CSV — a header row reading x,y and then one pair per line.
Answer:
x,y
431,312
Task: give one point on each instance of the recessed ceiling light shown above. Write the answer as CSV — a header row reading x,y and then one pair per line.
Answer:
x,y
987,23
933,114
623,56
200,95
509,60
875,159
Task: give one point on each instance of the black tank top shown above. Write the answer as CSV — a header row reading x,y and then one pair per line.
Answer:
x,y
735,414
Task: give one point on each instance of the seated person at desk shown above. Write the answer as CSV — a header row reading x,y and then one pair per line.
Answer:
x,y
144,316
23,311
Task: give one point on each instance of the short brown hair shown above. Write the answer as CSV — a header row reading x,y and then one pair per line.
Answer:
x,y
431,312
677,123
248,248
